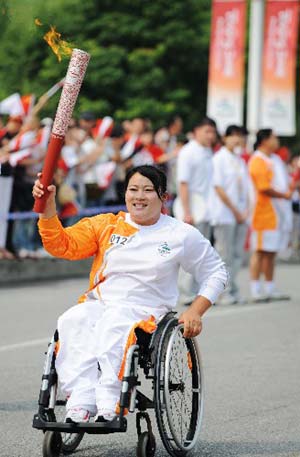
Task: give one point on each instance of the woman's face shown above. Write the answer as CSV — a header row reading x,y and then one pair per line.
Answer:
x,y
142,201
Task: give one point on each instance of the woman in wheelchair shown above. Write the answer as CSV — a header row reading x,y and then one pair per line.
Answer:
x,y
133,284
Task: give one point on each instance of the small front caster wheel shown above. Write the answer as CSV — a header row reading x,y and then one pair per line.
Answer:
x,y
146,445
70,442
52,444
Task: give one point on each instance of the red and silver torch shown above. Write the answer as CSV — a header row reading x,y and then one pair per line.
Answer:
x,y
74,77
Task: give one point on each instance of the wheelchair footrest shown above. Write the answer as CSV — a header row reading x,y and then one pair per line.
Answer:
x,y
116,425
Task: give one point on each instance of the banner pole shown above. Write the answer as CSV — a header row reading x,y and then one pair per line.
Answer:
x,y
255,68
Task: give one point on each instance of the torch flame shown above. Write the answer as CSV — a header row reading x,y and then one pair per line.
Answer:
x,y
59,47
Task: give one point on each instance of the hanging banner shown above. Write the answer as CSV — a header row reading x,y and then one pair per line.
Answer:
x,y
226,63
279,67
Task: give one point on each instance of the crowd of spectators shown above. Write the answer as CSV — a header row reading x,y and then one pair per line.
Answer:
x,y
94,159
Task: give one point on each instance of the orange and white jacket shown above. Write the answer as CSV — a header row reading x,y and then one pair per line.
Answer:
x,y
137,265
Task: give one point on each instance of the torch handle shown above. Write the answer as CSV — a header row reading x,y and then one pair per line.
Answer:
x,y
51,159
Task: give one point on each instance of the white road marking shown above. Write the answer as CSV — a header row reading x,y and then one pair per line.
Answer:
x,y
220,311
24,344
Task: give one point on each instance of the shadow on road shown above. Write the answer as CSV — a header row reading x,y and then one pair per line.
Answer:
x,y
240,448
205,449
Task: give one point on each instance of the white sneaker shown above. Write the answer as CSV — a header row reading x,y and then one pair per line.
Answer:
x,y
105,415
277,295
105,418
259,298
23,253
240,300
227,300
77,415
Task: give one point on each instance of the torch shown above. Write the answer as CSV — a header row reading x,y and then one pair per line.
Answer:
x,y
74,77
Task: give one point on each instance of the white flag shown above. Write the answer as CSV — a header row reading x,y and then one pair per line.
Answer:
x,y
12,105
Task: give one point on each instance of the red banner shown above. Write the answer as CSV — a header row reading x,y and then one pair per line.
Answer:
x,y
226,62
279,66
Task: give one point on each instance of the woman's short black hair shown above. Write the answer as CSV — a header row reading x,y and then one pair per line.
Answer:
x,y
261,136
154,174
233,130
206,121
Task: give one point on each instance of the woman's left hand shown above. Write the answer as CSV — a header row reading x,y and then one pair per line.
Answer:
x,y
191,321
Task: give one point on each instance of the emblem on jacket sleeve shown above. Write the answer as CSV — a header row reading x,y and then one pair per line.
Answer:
x,y
164,249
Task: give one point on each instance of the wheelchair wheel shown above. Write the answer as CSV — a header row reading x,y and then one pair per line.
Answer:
x,y
70,442
146,445
52,444
178,390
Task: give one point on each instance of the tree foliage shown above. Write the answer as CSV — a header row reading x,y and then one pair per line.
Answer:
x,y
147,58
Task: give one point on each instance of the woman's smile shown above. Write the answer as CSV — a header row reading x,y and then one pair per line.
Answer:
x,y
140,205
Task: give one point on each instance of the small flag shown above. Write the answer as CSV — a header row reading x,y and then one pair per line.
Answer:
x,y
12,105
103,127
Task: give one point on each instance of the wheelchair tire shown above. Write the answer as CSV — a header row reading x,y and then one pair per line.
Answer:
x,y
146,446
52,444
70,442
178,390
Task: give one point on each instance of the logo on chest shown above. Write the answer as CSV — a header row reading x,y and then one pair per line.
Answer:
x,y
116,239
164,249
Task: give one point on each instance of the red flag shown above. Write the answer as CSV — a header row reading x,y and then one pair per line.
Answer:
x,y
103,127
226,62
279,67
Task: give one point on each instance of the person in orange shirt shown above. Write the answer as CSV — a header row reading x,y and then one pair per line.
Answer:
x,y
133,283
265,224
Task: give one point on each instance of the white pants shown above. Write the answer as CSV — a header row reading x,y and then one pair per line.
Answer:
x,y
6,185
229,243
93,333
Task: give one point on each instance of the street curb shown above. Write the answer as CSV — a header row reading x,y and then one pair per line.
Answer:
x,y
24,270
20,271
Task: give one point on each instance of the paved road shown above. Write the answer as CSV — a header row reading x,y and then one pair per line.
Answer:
x,y
252,370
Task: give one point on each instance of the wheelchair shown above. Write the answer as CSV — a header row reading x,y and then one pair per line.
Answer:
x,y
170,362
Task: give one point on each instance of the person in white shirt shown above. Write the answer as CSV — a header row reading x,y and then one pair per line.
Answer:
x,y
229,207
168,138
133,282
194,178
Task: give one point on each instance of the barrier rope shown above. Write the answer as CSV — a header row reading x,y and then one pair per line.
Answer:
x,y
82,212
